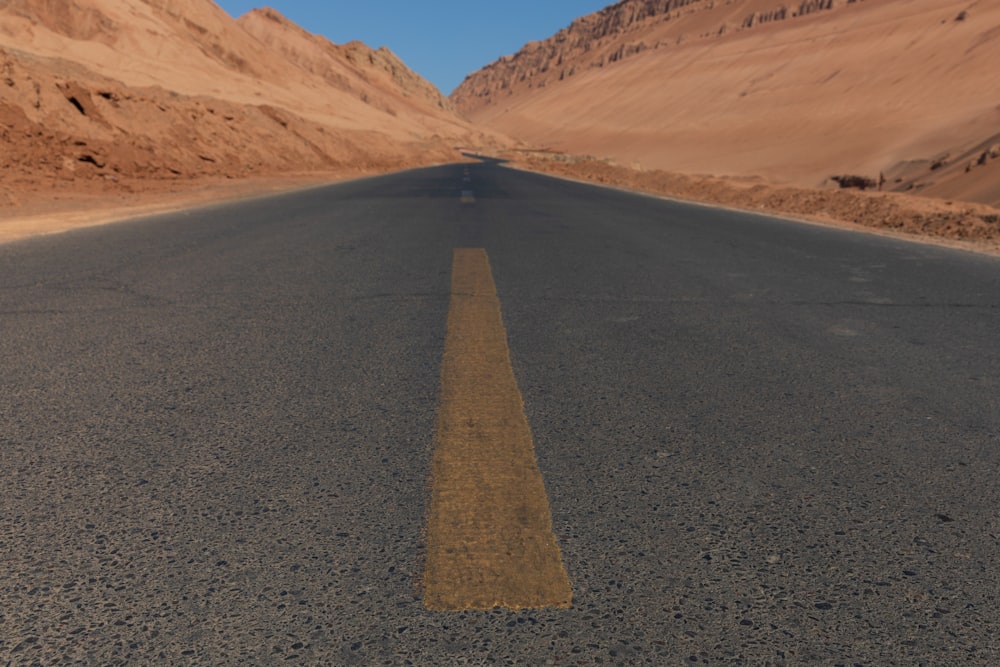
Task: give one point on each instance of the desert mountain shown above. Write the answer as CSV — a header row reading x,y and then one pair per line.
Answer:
x,y
143,89
353,67
796,92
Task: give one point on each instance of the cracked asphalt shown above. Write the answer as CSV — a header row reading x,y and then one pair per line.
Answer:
x,y
763,442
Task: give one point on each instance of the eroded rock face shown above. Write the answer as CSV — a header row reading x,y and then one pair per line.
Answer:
x,y
617,32
52,127
74,19
126,90
353,67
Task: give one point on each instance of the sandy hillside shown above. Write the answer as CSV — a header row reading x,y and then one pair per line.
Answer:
x,y
794,92
123,96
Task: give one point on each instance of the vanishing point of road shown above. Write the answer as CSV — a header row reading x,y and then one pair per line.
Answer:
x,y
468,415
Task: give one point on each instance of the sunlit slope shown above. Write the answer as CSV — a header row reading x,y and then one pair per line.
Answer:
x,y
132,89
754,87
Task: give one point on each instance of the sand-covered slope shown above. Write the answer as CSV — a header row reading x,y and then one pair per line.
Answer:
x,y
796,92
129,91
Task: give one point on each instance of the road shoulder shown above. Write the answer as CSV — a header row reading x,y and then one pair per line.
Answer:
x,y
954,224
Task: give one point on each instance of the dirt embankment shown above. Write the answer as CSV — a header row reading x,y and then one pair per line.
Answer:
x,y
974,226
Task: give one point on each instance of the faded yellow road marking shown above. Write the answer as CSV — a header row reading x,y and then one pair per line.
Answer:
x,y
489,534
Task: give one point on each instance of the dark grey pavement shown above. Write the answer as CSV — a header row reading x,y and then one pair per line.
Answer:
x,y
763,442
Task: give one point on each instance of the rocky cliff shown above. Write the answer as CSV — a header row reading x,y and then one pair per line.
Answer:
x,y
618,32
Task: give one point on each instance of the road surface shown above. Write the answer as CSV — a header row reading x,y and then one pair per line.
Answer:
x,y
761,442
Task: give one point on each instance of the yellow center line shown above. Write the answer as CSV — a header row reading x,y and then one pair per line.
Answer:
x,y
489,532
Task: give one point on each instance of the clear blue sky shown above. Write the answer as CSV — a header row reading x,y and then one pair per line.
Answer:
x,y
442,40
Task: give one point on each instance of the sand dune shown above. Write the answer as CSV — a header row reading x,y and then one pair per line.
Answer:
x,y
795,93
116,95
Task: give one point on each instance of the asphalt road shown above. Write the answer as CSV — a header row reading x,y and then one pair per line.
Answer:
x,y
763,442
